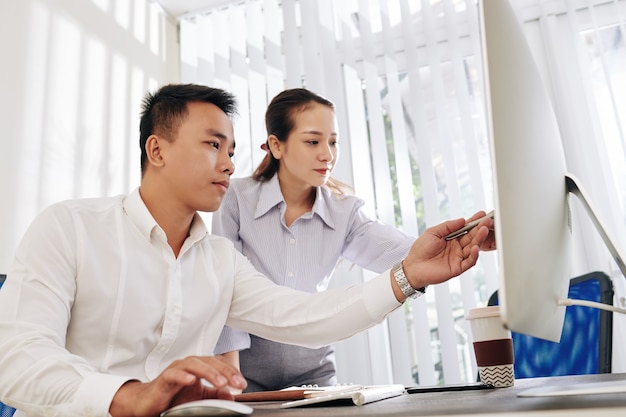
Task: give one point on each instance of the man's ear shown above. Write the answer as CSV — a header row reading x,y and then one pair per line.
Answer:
x,y
276,146
154,150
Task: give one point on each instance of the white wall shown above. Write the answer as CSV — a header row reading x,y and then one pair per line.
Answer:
x,y
72,78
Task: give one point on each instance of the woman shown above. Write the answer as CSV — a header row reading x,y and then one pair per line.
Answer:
x,y
294,222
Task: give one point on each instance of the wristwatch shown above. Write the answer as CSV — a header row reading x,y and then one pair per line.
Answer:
x,y
403,282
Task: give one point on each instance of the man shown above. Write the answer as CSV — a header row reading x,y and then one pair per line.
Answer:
x,y
113,306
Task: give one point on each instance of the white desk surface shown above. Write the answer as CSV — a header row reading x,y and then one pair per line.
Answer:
x,y
500,402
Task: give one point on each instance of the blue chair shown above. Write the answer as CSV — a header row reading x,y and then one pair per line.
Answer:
x,y
5,410
586,342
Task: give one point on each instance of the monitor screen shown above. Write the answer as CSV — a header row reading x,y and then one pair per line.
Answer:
x,y
532,219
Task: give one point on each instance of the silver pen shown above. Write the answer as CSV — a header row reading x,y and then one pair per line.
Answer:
x,y
469,226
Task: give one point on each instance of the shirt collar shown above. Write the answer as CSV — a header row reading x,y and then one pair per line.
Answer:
x,y
271,196
322,206
139,214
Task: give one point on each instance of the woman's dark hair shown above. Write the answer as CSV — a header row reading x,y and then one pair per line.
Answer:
x,y
280,119
164,111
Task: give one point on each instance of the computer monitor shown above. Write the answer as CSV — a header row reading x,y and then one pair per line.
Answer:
x,y
532,186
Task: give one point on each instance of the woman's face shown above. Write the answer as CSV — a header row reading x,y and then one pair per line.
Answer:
x,y
311,150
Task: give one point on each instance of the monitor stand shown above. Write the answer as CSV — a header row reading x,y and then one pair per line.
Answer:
x,y
600,387
608,387
574,187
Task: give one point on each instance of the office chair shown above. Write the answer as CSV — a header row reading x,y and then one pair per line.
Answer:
x,y
5,410
586,342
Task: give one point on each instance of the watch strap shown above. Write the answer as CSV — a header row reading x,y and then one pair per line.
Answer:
x,y
403,282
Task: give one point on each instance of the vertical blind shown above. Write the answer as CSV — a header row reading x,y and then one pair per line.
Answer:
x,y
406,79
73,80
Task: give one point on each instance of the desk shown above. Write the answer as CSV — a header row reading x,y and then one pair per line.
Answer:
x,y
500,402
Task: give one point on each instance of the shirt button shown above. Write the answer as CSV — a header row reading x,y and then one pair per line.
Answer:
x,y
290,274
162,349
292,241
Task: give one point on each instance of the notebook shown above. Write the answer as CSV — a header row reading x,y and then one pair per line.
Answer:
x,y
356,395
304,396
295,393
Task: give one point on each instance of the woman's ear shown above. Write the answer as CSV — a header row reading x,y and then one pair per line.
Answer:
x,y
154,150
276,146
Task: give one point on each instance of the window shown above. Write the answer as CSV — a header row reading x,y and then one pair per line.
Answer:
x,y
406,79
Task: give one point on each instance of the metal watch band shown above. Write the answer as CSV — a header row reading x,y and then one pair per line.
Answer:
x,y
403,282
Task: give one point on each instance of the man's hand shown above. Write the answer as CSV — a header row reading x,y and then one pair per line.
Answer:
x,y
433,259
179,383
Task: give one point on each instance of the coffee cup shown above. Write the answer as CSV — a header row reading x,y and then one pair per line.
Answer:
x,y
493,346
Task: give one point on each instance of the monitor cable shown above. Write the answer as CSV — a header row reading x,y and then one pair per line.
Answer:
x,y
585,303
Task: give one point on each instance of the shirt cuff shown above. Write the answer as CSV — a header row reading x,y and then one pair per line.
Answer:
x,y
96,392
379,297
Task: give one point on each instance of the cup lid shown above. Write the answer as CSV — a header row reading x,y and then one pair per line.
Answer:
x,y
483,312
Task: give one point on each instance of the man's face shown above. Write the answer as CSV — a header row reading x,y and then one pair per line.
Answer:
x,y
198,161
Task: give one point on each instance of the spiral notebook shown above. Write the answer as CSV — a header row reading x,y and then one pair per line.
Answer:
x,y
354,395
295,393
